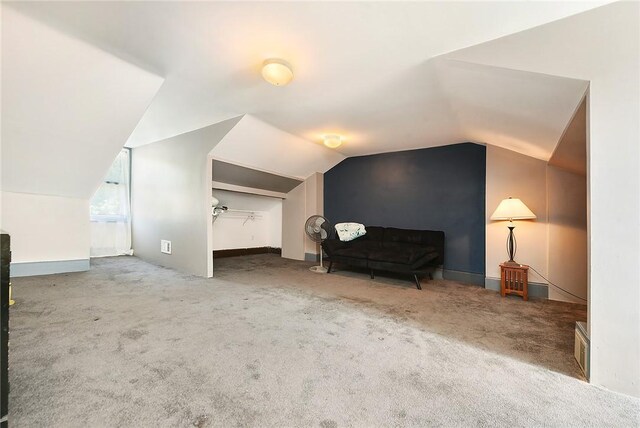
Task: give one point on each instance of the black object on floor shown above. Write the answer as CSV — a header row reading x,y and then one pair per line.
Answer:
x,y
5,248
416,252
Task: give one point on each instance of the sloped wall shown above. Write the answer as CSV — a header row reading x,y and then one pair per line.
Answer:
x,y
603,47
567,208
555,243
67,110
519,176
171,199
256,144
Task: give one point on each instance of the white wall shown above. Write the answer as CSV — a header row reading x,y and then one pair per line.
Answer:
x,y
314,205
46,228
275,228
293,218
555,243
109,238
512,174
602,46
302,202
171,199
233,230
517,110
567,208
67,110
614,199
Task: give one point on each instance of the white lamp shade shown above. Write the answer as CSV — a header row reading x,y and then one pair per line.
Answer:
x,y
277,72
332,141
512,209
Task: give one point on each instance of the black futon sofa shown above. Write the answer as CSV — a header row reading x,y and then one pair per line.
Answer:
x,y
417,252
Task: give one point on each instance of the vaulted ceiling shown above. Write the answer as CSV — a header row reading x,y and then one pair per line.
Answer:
x,y
365,70
67,109
82,79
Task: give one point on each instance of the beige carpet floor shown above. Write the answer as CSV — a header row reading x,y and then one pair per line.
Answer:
x,y
268,343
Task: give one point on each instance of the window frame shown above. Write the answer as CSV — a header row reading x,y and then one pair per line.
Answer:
x,y
110,218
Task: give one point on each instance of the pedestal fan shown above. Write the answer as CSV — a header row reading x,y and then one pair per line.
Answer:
x,y
317,229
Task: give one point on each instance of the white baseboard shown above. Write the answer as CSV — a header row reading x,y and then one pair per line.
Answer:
x,y
19,269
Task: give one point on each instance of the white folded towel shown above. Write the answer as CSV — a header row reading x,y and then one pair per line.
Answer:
x,y
350,231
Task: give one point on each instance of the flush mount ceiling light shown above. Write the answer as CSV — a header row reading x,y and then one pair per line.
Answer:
x,y
277,72
332,141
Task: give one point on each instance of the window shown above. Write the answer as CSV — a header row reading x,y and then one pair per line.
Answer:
x,y
111,200
111,210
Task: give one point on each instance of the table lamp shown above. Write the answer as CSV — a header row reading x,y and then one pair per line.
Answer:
x,y
512,209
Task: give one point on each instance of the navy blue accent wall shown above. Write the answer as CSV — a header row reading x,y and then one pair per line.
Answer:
x,y
440,188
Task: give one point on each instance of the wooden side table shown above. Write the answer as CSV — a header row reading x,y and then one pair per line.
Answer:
x,y
514,279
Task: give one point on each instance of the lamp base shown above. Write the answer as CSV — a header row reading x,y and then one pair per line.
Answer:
x,y
511,264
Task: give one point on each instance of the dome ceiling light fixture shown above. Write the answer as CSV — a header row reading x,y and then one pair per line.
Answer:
x,y
332,141
276,71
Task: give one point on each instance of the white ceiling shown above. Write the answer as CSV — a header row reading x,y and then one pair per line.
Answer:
x,y
67,109
258,145
571,151
364,70
517,110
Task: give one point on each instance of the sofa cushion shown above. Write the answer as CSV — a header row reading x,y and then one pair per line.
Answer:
x,y
331,245
406,256
403,246
420,263
409,236
356,253
374,233
359,240
366,245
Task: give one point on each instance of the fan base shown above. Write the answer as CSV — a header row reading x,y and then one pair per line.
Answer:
x,y
318,269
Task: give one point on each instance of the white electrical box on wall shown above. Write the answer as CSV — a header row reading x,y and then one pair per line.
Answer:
x,y
165,246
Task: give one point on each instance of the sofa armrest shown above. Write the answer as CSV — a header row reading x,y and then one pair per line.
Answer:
x,y
331,245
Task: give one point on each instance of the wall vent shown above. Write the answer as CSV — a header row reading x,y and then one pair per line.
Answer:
x,y
581,347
